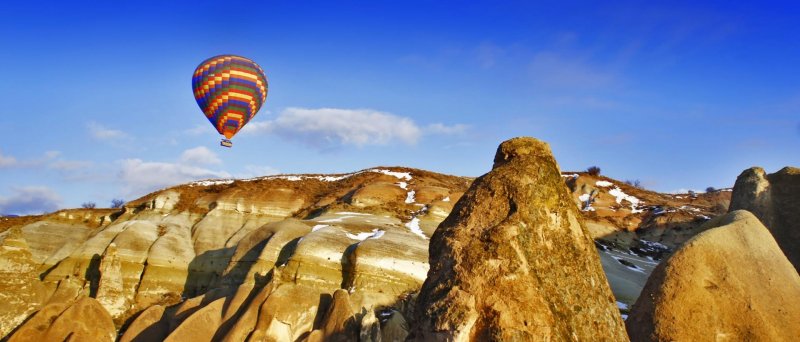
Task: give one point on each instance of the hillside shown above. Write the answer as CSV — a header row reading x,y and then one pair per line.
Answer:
x,y
298,238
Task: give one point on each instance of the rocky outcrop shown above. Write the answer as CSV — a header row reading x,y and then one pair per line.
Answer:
x,y
513,262
21,293
339,323
85,320
109,291
728,283
775,200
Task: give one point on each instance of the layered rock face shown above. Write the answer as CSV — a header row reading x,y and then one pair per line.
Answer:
x,y
512,262
229,259
729,283
262,257
775,200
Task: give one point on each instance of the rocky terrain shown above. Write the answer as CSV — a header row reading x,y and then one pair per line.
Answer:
x,y
729,283
514,262
317,257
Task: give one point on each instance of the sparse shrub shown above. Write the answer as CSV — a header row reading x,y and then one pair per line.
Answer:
x,y
593,170
692,194
88,205
117,203
711,189
634,183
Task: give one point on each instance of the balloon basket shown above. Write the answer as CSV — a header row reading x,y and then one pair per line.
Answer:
x,y
226,143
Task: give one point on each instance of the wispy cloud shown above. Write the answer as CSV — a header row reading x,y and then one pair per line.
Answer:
x,y
30,200
100,132
7,161
200,155
554,70
139,177
487,54
331,127
201,129
439,128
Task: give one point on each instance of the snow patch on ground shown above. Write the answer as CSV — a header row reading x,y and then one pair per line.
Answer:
x,y
374,234
410,197
620,196
318,227
338,219
653,244
584,197
403,185
295,178
212,182
413,226
446,199
574,175
622,306
603,183
399,175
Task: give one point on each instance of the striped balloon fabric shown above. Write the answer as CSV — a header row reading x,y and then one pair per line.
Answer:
x,y
230,90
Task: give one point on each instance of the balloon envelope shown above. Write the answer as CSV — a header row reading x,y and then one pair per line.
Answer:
x,y
229,90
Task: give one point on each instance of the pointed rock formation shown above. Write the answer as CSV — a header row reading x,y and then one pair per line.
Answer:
x,y
728,283
370,327
110,292
339,324
513,262
775,200
84,320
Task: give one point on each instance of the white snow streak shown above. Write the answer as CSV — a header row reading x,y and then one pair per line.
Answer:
x,y
413,226
410,197
603,183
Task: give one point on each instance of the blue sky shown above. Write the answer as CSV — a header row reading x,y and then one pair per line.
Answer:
x,y
97,100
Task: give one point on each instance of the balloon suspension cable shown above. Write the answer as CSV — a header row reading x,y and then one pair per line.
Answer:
x,y
225,142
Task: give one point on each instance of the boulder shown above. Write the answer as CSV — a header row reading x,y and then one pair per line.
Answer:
x,y
775,200
513,261
728,283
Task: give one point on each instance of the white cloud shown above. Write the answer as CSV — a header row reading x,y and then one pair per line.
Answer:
x,y
7,161
200,155
101,132
30,200
439,128
327,127
70,165
140,177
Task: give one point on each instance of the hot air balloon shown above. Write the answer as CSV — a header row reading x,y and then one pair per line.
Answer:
x,y
229,90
